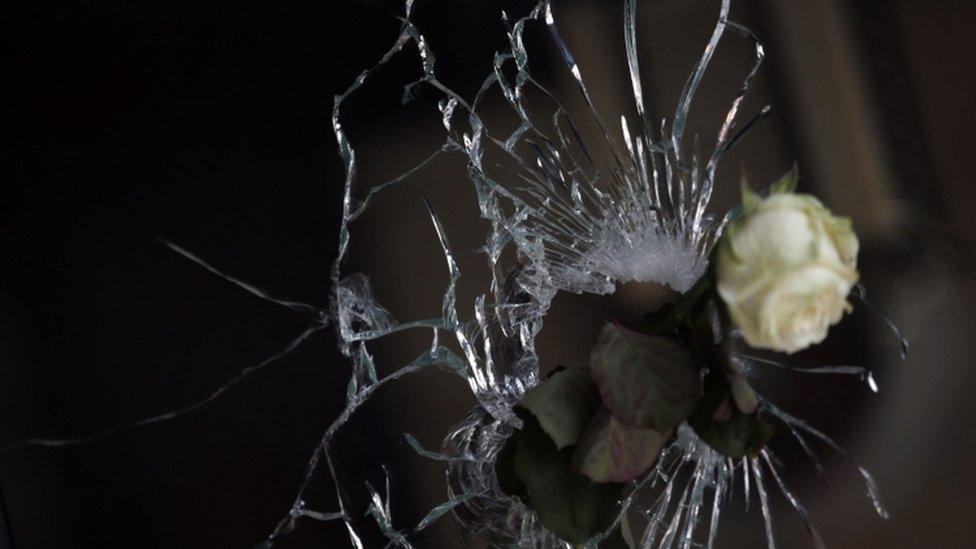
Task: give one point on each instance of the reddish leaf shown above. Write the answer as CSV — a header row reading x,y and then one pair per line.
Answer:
x,y
645,381
611,451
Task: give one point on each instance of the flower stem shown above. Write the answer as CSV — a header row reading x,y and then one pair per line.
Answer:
x,y
680,311
690,299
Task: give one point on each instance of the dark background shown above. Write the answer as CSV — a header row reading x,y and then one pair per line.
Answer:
x,y
207,124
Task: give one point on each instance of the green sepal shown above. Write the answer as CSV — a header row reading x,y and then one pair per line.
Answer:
x,y
750,198
787,182
743,395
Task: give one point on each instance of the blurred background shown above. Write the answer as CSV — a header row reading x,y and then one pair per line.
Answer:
x,y
207,124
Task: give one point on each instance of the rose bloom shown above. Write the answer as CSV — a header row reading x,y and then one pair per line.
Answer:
x,y
785,269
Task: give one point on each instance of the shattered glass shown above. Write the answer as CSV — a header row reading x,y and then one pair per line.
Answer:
x,y
577,225
563,215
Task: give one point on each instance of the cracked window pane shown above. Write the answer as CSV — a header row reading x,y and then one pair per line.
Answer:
x,y
579,222
524,188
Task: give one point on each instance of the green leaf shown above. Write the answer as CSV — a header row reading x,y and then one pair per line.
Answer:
x,y
568,504
645,381
508,481
723,426
564,404
742,435
615,452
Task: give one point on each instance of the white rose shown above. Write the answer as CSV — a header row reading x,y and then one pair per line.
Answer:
x,y
785,269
